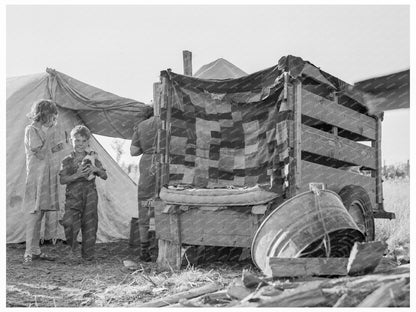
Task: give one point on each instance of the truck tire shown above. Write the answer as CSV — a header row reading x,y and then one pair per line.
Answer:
x,y
358,204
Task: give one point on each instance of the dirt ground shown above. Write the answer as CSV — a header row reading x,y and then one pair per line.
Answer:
x,y
104,282
108,282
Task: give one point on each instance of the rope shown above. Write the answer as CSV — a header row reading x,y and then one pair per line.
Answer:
x,y
325,240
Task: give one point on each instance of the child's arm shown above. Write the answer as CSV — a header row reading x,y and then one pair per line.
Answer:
x,y
99,170
65,177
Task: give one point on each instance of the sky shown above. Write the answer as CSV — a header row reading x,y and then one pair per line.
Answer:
x,y
122,49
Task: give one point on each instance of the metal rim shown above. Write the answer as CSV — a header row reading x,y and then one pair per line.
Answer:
x,y
275,210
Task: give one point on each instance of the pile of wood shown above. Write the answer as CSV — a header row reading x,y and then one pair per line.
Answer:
x,y
366,279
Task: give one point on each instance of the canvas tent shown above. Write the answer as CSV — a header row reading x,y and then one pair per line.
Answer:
x,y
387,92
78,103
219,69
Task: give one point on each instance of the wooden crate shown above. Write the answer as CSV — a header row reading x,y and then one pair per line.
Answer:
x,y
199,226
327,136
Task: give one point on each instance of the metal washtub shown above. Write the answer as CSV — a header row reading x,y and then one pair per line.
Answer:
x,y
300,226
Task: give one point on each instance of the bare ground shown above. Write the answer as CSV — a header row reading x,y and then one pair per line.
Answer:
x,y
104,282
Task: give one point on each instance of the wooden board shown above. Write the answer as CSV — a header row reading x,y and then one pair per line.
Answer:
x,y
385,295
365,257
211,228
292,267
327,111
329,145
335,179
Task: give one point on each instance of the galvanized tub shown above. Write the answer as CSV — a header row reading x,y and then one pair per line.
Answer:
x,y
300,226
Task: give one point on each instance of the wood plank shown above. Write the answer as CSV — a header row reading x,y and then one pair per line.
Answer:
x,y
385,295
365,257
325,110
329,145
183,295
294,267
335,179
211,228
308,295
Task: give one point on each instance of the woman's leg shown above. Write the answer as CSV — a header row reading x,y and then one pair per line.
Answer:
x,y
33,225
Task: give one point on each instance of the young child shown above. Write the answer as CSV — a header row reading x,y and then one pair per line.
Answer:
x,y
41,191
81,194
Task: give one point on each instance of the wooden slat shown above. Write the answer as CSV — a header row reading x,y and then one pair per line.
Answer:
x,y
293,267
337,115
335,179
330,145
365,257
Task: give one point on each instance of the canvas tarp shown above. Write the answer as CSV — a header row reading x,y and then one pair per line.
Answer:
x,y
78,103
387,92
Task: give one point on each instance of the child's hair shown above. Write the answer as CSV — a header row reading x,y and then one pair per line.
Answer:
x,y
42,110
82,131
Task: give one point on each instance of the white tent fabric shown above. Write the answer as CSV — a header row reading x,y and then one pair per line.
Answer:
x,y
219,69
117,195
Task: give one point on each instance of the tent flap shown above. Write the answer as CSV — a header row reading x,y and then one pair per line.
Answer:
x,y
103,112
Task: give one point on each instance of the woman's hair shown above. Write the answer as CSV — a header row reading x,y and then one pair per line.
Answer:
x,y
82,131
42,110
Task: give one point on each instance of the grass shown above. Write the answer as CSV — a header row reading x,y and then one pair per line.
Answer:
x,y
395,232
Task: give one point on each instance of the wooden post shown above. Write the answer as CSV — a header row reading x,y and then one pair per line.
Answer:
x,y
297,130
334,128
187,63
166,100
156,98
167,131
156,109
378,172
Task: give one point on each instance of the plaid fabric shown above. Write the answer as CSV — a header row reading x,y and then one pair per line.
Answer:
x,y
229,133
